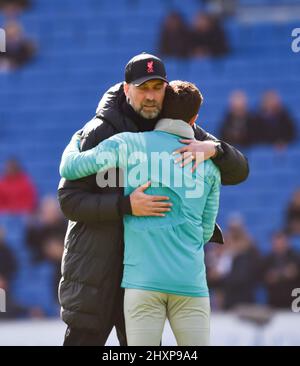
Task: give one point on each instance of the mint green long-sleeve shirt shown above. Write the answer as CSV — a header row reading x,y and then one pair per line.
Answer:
x,y
161,253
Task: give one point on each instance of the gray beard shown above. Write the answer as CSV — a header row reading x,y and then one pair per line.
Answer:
x,y
143,114
148,115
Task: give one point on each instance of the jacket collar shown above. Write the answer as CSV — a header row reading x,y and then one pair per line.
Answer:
x,y
176,127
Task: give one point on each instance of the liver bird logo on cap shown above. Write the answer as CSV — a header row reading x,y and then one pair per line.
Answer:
x,y
150,67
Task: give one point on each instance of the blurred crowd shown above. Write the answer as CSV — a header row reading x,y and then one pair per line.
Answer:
x,y
14,7
19,48
236,271
43,237
205,37
270,124
17,191
238,274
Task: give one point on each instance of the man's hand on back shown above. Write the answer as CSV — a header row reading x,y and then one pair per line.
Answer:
x,y
143,204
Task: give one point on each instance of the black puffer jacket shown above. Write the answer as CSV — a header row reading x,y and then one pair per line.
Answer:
x,y
93,257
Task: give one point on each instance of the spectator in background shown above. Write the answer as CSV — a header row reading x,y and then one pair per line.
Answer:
x,y
174,37
19,50
232,270
8,263
8,269
281,273
293,215
17,192
218,264
12,8
241,281
239,267
208,37
53,249
45,235
276,124
239,127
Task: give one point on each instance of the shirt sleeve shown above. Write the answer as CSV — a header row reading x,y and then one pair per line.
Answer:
x,y
212,203
75,164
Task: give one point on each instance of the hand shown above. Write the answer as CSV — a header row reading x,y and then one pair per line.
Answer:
x,y
143,204
77,137
195,150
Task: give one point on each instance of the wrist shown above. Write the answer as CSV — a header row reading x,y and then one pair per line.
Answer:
x,y
218,150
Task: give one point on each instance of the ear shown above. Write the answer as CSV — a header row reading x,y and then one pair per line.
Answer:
x,y
193,120
126,88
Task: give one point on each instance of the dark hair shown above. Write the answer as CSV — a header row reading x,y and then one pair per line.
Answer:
x,y
182,100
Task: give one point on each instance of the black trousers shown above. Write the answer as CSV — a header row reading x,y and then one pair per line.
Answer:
x,y
83,337
112,316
